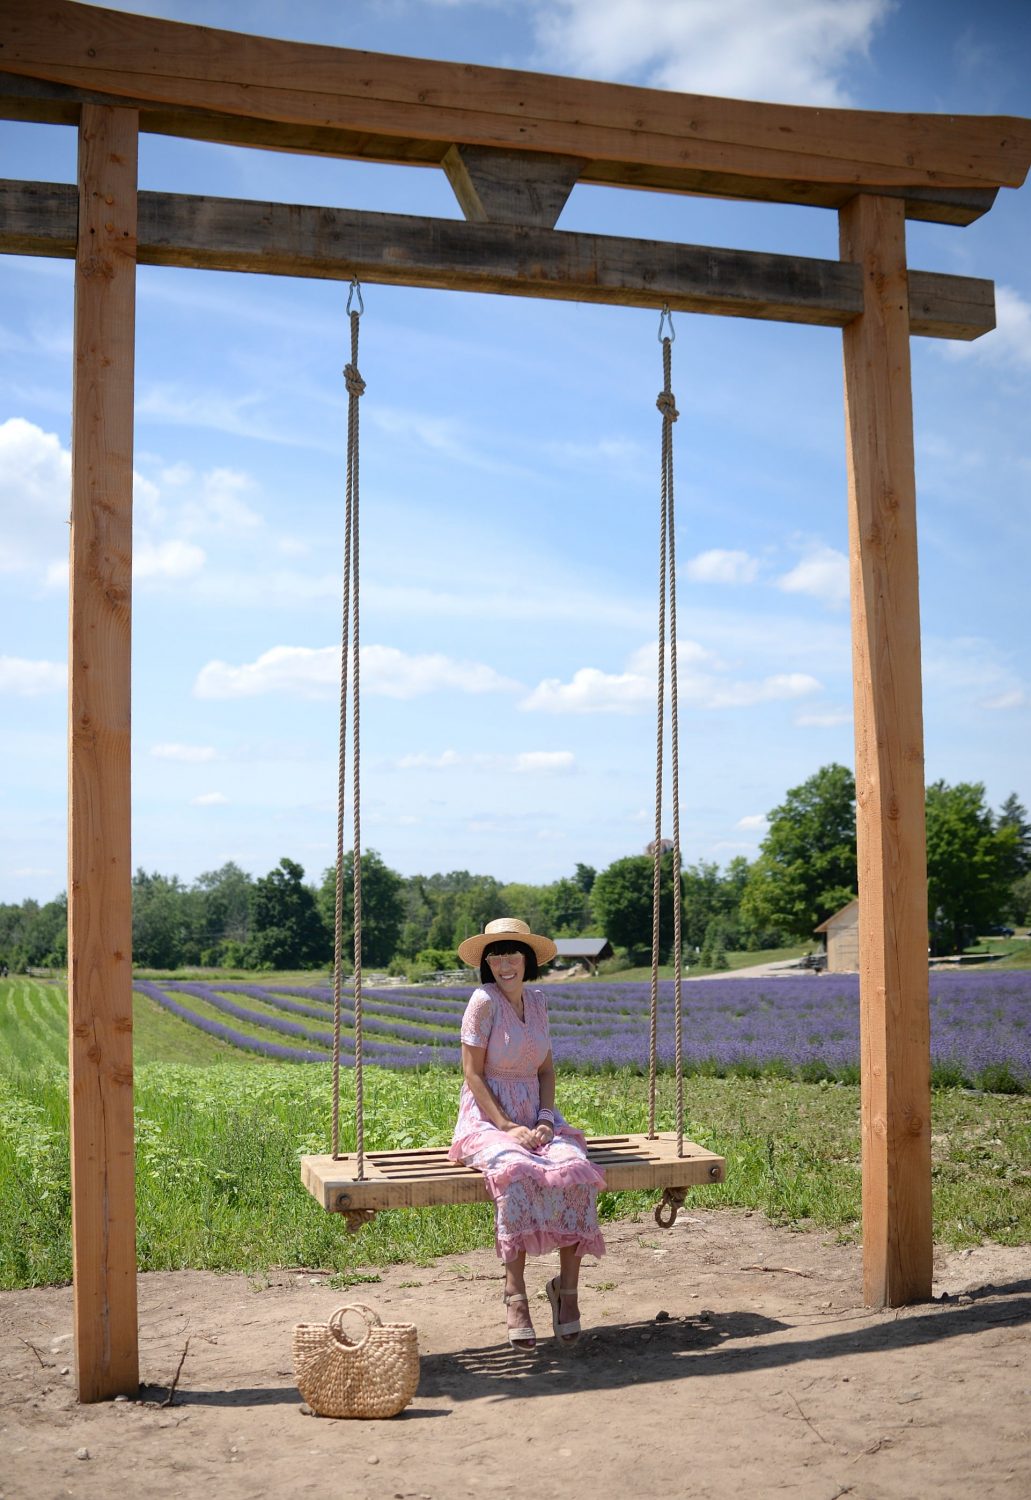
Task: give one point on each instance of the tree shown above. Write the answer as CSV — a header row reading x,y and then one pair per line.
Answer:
x,y
224,897
622,902
806,869
288,930
1013,814
160,921
585,876
970,863
383,908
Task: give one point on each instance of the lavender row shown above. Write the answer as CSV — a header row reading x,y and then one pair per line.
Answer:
x,y
384,1057
284,1027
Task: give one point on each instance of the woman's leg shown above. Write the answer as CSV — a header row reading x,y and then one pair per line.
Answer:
x,y
568,1279
515,1282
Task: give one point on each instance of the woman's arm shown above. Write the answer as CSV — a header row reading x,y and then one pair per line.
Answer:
x,y
545,1130
473,1060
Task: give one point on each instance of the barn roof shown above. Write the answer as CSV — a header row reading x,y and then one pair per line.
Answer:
x,y
582,947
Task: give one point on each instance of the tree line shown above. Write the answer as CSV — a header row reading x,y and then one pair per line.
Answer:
x,y
978,861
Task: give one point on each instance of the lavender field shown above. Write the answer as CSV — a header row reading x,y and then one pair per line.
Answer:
x,y
804,1027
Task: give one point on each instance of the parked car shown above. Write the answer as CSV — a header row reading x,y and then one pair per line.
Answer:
x,y
1000,932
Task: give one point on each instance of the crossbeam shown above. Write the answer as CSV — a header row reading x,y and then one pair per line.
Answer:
x,y
401,108
230,234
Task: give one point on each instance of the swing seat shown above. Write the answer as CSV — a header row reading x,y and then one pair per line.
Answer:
x,y
425,1178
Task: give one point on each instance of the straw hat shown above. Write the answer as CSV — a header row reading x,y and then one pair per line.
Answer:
x,y
502,930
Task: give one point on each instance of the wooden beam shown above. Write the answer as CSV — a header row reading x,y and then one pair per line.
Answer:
x,y
223,72
33,99
895,1045
230,234
511,187
99,864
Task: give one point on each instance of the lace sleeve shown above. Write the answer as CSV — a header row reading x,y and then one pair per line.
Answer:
x,y
478,1019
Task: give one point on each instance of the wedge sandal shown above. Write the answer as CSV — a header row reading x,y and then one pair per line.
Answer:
x,y
523,1339
566,1333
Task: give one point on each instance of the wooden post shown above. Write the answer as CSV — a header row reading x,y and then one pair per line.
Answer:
x,y
99,864
895,1040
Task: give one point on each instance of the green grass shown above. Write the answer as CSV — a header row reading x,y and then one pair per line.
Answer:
x,y
642,972
218,1142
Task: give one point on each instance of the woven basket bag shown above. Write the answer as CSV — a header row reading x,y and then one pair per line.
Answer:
x,y
373,1376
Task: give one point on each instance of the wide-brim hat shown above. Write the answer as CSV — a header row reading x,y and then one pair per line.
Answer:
x,y
505,930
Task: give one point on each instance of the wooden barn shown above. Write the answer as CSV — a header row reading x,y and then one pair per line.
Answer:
x,y
841,937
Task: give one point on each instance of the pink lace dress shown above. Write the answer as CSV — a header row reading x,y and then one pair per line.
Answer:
x,y
544,1199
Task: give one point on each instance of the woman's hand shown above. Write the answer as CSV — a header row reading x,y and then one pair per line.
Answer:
x,y
544,1134
522,1136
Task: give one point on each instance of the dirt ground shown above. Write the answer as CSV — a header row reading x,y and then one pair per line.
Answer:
x,y
723,1357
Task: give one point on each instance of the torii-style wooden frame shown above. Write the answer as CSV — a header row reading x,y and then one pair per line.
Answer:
x,y
513,145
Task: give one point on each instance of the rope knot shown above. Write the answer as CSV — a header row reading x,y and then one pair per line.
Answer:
x,y
667,404
354,382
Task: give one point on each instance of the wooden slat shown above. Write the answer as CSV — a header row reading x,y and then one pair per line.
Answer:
x,y
280,239
628,1162
896,1069
35,99
264,79
99,863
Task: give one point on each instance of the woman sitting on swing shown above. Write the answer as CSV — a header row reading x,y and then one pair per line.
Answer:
x,y
536,1166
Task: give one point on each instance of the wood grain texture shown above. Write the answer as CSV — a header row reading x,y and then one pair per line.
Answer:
x,y
258,77
426,1179
894,1019
280,239
510,187
26,98
99,855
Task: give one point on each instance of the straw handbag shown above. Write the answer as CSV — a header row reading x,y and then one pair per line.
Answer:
x,y
375,1376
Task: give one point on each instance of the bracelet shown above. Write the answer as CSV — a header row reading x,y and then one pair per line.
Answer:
x,y
546,1117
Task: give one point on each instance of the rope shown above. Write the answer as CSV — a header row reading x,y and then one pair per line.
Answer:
x,y
349,658
666,404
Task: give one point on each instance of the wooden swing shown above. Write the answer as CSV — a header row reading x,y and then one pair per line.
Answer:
x,y
361,1184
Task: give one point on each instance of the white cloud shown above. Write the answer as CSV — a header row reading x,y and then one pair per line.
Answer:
x,y
536,762
210,799
767,690
172,559
546,761
828,720
794,50
191,754
822,574
717,566
591,691
752,820
701,683
1010,341
31,679
969,669
1014,698
314,672
35,484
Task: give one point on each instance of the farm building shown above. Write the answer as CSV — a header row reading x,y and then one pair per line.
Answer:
x,y
583,950
841,936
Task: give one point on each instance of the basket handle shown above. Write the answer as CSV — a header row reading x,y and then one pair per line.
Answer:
x,y
371,1316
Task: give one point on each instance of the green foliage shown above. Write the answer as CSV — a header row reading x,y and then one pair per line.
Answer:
x,y
34,936
622,901
971,864
383,910
806,868
288,930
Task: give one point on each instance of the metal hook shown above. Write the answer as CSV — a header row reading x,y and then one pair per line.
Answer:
x,y
665,313
356,287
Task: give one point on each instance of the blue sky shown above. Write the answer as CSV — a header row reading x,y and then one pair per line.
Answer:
x,y
510,467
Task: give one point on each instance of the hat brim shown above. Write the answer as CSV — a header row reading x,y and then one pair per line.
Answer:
x,y
471,951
